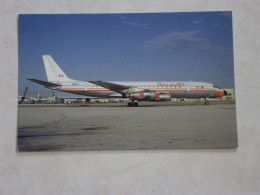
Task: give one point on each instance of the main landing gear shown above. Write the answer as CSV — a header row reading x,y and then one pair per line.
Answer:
x,y
206,101
133,103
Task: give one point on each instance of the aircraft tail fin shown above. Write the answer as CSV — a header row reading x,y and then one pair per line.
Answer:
x,y
53,71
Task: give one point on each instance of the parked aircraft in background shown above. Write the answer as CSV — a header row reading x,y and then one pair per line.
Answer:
x,y
22,99
135,91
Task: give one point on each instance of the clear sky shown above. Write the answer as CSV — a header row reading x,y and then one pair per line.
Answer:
x,y
195,46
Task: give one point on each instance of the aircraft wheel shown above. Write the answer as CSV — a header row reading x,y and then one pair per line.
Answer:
x,y
135,104
129,104
206,103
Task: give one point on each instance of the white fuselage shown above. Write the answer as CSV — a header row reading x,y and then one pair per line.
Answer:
x,y
177,89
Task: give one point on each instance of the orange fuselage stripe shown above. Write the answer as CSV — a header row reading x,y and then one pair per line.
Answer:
x,y
220,93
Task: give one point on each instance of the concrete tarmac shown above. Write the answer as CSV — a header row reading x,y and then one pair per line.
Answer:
x,y
120,127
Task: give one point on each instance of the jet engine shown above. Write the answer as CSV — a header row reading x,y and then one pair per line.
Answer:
x,y
163,97
150,95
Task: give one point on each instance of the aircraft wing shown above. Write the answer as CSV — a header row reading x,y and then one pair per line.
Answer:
x,y
44,83
123,89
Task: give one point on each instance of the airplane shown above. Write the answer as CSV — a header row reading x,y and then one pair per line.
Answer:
x,y
22,99
134,91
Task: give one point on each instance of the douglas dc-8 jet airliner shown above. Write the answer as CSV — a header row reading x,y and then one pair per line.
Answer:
x,y
133,90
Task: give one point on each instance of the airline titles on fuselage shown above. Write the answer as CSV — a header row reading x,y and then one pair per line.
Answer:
x,y
170,85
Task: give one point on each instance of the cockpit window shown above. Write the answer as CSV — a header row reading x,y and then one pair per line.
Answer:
x,y
215,86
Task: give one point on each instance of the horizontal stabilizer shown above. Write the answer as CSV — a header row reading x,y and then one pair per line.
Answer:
x,y
44,83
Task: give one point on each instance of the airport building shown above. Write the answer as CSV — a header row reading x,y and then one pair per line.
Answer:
x,y
230,95
70,100
37,97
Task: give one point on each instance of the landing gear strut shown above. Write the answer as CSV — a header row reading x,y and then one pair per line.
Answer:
x,y
133,103
206,101
136,104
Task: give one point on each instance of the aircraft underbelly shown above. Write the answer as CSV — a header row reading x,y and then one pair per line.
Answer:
x,y
99,94
184,94
193,94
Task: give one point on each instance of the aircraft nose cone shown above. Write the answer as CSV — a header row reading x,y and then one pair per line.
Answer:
x,y
225,92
